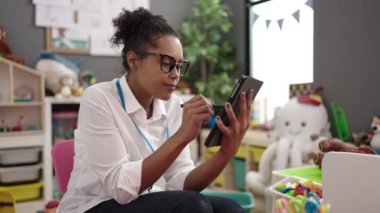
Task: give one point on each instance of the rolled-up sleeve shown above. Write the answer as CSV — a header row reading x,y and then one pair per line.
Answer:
x,y
176,174
105,148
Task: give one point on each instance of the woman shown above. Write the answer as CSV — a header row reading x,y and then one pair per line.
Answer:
x,y
130,131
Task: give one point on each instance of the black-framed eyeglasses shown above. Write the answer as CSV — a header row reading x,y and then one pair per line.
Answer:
x,y
168,63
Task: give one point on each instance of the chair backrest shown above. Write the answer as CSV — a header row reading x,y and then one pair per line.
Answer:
x,y
63,161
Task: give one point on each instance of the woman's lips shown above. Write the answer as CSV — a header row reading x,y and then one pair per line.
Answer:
x,y
170,86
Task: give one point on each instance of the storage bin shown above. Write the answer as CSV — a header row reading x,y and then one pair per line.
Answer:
x,y
238,166
19,174
20,156
256,153
244,199
24,192
289,181
241,152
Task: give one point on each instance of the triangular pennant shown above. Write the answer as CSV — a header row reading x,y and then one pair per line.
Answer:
x,y
296,15
254,18
268,23
309,3
280,21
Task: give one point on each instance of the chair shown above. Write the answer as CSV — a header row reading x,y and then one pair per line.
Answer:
x,y
63,160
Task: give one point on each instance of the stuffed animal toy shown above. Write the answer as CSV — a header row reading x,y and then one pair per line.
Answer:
x,y
55,67
323,145
67,83
5,50
375,142
294,123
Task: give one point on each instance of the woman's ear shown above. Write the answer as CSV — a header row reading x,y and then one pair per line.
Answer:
x,y
132,60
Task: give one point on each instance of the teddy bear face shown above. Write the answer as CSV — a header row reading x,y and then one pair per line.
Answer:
x,y
375,125
299,121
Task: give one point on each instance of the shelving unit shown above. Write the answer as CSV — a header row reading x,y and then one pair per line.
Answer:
x,y
50,106
246,159
22,123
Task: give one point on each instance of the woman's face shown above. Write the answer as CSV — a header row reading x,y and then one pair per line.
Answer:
x,y
149,73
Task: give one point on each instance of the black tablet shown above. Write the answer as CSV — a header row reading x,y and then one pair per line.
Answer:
x,y
245,83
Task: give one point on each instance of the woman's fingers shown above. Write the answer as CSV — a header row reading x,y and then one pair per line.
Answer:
x,y
243,110
231,115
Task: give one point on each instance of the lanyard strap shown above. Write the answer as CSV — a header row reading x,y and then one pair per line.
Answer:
x,y
146,141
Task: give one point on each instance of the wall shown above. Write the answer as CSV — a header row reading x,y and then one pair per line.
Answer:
x,y
26,40
346,61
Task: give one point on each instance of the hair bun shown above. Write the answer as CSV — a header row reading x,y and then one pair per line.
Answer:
x,y
128,23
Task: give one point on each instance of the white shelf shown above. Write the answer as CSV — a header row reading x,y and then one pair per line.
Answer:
x,y
30,206
21,104
19,82
19,142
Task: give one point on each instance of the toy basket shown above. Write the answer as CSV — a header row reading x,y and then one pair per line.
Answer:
x,y
279,197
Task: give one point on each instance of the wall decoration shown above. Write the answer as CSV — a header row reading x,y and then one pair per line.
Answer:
x,y
81,26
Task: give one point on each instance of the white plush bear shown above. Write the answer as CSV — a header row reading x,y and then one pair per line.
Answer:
x,y
294,124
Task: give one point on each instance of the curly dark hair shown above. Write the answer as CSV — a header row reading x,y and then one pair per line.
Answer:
x,y
137,30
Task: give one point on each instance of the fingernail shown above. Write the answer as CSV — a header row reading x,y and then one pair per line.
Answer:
x,y
243,94
228,105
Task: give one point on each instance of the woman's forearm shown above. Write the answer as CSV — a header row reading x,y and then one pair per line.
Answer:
x,y
158,162
204,174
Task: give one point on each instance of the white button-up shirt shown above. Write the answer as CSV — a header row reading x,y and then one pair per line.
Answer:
x,y
109,149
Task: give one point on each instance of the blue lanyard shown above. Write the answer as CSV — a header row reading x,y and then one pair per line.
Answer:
x,y
146,141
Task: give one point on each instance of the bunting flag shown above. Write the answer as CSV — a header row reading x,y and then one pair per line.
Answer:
x,y
267,22
260,12
310,3
296,15
254,18
280,21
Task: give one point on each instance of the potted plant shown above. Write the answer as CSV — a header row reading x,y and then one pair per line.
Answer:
x,y
213,59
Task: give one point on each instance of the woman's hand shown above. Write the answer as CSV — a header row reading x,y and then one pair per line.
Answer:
x,y
234,133
196,112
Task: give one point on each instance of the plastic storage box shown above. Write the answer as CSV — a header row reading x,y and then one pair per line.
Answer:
x,y
20,156
24,192
19,174
278,195
238,166
244,199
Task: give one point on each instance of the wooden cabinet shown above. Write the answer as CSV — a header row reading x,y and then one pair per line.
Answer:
x,y
22,123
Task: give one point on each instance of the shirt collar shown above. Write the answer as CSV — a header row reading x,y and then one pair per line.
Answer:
x,y
132,105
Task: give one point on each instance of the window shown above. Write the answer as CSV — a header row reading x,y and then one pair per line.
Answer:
x,y
281,49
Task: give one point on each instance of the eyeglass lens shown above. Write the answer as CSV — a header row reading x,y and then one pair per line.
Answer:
x,y
168,63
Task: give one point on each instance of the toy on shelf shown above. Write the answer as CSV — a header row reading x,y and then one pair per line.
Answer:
x,y
4,127
21,124
5,50
67,84
293,125
375,141
56,68
23,94
86,79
